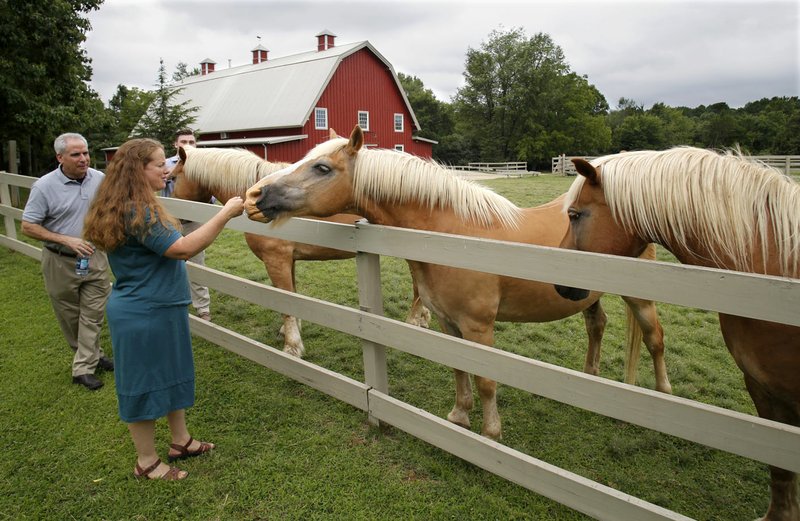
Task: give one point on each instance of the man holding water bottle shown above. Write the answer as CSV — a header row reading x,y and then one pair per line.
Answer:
x,y
76,276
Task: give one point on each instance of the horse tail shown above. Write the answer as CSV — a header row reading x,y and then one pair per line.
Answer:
x,y
634,335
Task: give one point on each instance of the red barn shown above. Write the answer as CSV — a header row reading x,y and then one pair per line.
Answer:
x,y
281,108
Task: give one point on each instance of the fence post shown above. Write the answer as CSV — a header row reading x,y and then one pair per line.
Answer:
x,y
787,162
13,167
5,198
370,299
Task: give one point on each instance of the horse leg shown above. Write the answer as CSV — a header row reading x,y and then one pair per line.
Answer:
x,y
279,262
418,315
646,326
487,390
464,401
784,504
595,319
483,333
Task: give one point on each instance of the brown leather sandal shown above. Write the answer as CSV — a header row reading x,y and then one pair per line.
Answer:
x,y
184,452
173,474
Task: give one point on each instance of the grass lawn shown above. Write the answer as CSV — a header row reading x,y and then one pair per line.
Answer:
x,y
286,451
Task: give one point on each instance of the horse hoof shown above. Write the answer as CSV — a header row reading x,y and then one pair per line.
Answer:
x,y
459,418
492,434
296,351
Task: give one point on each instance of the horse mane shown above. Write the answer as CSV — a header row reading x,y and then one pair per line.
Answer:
x,y
399,177
723,199
228,169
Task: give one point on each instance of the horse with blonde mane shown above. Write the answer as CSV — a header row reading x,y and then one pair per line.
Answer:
x,y
714,210
226,172
397,189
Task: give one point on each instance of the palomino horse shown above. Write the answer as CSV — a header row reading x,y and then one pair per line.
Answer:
x,y
711,210
398,189
224,173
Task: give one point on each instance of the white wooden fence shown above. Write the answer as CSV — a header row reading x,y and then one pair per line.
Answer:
x,y
562,165
508,169
771,298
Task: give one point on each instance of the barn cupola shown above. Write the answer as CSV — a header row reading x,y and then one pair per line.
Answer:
x,y
207,66
259,54
325,40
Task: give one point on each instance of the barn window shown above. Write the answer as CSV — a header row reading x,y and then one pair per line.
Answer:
x,y
398,122
400,148
363,119
320,119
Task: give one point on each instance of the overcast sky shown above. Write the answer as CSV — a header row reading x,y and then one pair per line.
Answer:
x,y
679,52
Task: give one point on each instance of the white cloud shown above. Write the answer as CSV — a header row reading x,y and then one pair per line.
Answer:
x,y
679,53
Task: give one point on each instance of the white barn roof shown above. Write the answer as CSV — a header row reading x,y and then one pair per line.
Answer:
x,y
278,93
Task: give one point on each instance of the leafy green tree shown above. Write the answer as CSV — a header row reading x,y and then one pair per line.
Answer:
x,y
434,116
640,132
43,75
435,119
127,106
719,127
163,116
771,126
520,101
679,129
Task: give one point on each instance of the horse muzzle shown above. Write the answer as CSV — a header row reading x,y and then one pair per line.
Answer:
x,y
270,204
571,293
254,206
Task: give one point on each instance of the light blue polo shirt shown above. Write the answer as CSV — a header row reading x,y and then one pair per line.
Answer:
x,y
59,203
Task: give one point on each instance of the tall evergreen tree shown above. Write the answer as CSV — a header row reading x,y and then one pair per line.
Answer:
x,y
163,117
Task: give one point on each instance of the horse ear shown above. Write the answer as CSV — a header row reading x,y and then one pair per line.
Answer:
x,y
586,169
332,134
182,153
356,140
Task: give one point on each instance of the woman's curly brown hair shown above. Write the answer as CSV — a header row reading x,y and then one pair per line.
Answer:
x,y
124,199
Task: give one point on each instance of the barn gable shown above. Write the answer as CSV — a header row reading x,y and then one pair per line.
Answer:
x,y
268,106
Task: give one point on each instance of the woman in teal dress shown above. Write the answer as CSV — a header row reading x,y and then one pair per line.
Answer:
x,y
147,312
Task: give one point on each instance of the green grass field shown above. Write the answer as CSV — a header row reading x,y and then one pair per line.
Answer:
x,y
286,451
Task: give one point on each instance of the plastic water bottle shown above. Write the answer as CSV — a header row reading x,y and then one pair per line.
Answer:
x,y
82,266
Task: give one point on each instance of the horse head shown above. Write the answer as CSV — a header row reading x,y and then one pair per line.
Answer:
x,y
185,188
319,185
592,226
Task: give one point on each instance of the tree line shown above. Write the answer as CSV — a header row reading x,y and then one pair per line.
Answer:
x,y
520,102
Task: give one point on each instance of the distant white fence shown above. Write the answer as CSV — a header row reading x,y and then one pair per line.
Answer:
x,y
769,298
508,169
562,165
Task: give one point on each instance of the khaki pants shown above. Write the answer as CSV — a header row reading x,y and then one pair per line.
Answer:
x,y
79,304
201,300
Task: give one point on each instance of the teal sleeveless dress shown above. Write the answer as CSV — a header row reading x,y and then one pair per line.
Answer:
x,y
148,318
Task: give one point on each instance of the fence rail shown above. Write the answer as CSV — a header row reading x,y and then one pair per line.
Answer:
x,y
718,290
509,169
562,164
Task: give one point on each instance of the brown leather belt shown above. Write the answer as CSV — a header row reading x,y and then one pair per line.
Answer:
x,y
60,252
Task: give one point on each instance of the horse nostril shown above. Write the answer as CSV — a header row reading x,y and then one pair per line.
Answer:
x,y
260,197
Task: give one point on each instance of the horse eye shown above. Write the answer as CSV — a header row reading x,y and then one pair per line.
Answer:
x,y
573,214
322,168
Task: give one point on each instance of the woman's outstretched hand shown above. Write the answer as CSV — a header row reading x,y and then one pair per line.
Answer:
x,y
234,207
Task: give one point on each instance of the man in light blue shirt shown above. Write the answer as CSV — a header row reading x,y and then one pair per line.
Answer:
x,y
201,299
54,214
